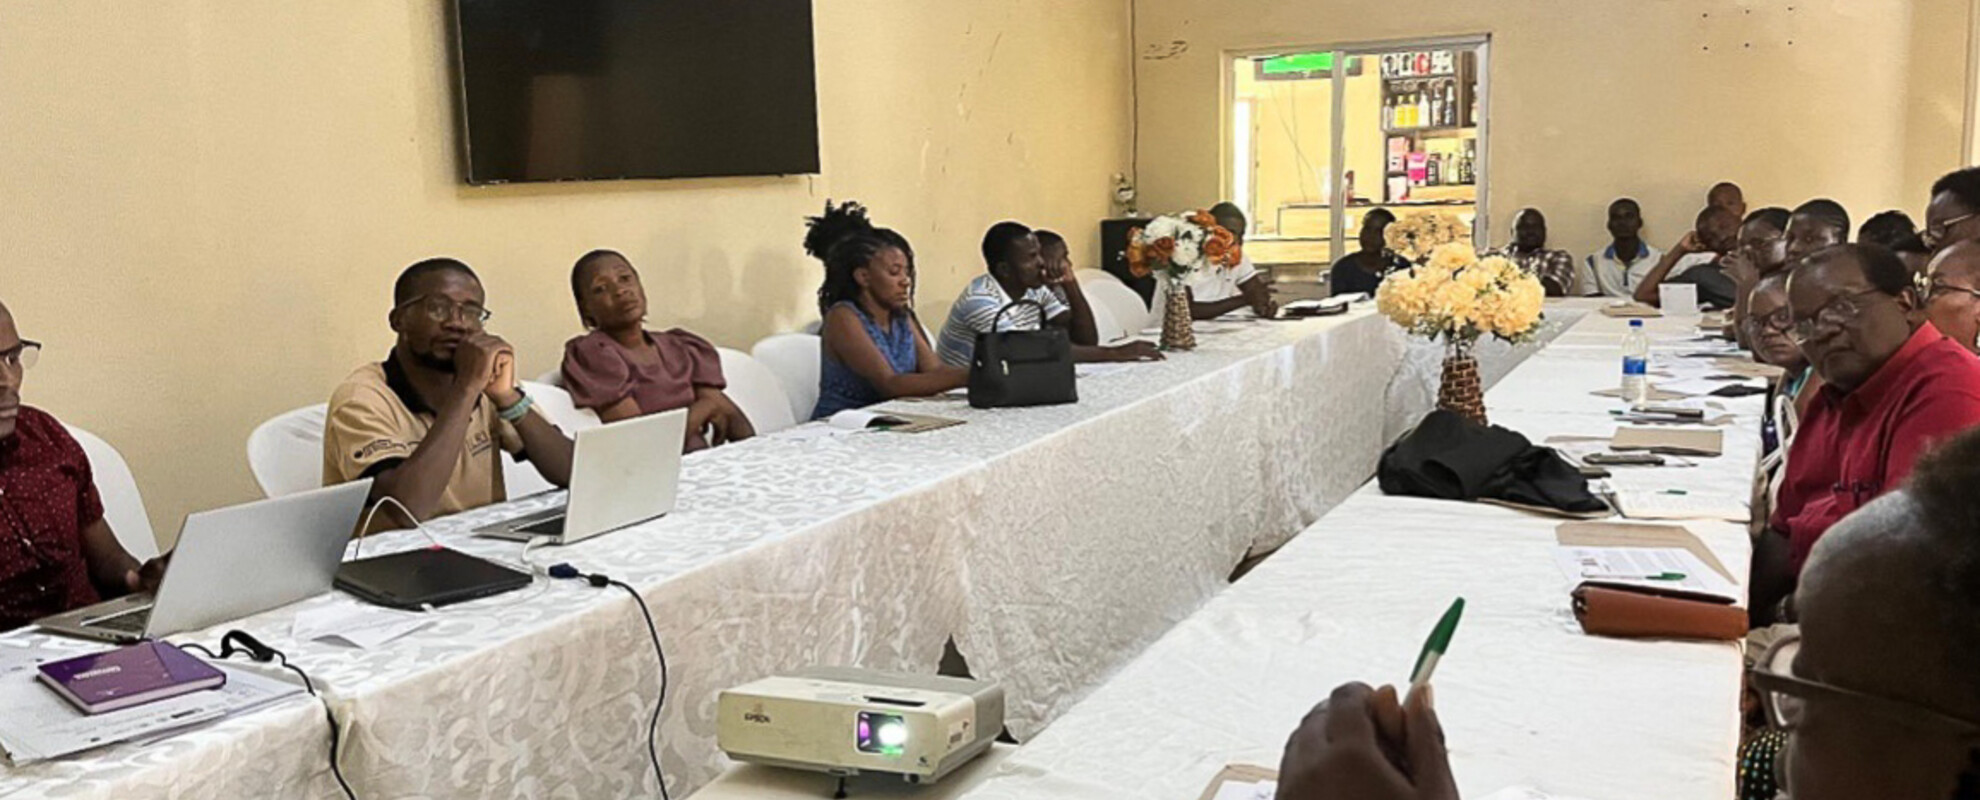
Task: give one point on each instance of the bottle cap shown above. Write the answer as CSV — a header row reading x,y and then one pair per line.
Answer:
x,y
1636,323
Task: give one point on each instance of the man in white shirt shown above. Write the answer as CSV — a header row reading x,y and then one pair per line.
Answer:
x,y
1216,292
1017,269
1616,271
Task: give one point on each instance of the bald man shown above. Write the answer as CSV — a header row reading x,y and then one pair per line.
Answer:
x,y
1727,195
56,550
1877,694
1953,302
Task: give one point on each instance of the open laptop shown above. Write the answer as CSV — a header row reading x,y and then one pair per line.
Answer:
x,y
622,474
230,563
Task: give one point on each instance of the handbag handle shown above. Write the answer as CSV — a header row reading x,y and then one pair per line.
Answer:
x,y
999,319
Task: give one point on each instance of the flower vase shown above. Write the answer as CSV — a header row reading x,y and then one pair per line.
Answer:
x,y
1462,391
1178,330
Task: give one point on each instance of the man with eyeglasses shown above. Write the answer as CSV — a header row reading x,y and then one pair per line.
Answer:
x,y
1893,388
56,550
1954,212
1952,302
1876,691
429,424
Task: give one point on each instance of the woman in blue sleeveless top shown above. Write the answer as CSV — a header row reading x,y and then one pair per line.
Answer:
x,y
872,347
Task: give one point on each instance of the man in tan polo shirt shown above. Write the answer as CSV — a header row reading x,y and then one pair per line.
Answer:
x,y
430,423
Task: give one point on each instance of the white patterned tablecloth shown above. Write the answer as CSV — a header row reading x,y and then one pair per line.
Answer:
x,y
1053,544
1525,698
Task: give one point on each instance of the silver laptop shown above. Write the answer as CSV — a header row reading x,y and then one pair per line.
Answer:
x,y
622,474
233,562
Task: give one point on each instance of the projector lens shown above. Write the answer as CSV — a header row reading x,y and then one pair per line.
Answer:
x,y
885,734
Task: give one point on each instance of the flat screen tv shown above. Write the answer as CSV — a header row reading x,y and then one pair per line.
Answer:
x,y
563,90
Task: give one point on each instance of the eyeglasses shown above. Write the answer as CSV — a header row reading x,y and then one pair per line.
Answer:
x,y
1780,321
1786,697
440,309
1935,232
21,357
1837,314
1937,289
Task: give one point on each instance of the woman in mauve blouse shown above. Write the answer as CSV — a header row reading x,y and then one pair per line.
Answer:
x,y
621,370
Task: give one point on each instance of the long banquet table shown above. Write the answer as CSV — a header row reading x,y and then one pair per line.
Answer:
x,y
1051,544
1525,698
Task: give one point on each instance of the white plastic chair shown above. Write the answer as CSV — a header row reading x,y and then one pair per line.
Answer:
x,y
1105,324
554,377
794,359
521,477
286,453
1088,277
123,507
757,391
1126,307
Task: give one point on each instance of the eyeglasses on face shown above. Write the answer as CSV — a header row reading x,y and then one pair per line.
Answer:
x,y
440,309
1937,289
1787,697
1935,232
1835,315
21,357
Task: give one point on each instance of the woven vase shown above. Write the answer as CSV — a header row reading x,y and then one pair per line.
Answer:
x,y
1462,391
1178,330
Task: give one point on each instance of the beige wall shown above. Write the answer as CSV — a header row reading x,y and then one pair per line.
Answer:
x,y
1862,100
204,203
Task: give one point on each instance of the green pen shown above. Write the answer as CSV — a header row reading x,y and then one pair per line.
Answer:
x,y
1660,576
1435,647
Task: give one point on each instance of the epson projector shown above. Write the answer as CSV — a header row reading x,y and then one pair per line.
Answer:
x,y
845,721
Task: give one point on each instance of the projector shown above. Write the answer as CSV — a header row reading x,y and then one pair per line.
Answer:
x,y
845,721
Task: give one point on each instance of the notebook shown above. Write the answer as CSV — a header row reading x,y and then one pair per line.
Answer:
x,y
128,676
1673,441
1631,311
890,421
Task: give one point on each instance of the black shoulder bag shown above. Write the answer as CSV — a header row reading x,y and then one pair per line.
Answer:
x,y
1021,368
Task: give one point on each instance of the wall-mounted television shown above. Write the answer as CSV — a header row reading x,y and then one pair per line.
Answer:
x,y
566,90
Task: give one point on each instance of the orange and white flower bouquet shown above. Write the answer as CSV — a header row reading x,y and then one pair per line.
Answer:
x,y
1175,247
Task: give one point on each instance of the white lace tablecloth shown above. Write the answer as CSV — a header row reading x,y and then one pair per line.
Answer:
x,y
1525,698
1053,544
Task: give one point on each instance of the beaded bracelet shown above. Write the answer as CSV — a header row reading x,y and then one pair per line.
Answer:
x,y
521,408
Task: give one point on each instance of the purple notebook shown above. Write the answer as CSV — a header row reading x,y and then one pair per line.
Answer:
x,y
129,676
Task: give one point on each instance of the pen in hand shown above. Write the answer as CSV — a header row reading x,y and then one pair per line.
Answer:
x,y
1435,647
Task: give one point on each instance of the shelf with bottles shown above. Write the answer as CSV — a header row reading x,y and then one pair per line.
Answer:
x,y
1436,132
1414,165
1435,91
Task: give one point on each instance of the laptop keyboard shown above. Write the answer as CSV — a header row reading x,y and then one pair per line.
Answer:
x,y
132,621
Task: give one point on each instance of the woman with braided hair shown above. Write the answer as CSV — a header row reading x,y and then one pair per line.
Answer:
x,y
872,347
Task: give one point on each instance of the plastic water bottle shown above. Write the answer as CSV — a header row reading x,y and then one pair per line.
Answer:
x,y
1636,365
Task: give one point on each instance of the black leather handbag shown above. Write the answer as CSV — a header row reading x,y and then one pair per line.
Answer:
x,y
1021,368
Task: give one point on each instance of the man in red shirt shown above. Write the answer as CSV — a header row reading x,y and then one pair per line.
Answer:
x,y
1895,387
56,550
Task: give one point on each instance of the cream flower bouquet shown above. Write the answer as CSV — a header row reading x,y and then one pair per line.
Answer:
x,y
1457,298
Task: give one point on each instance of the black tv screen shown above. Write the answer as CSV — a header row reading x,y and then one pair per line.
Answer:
x,y
558,90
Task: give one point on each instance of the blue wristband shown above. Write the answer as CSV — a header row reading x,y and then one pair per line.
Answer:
x,y
520,409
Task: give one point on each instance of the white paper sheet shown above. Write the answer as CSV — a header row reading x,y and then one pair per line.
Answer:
x,y
37,724
1235,790
1632,566
1636,503
360,626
